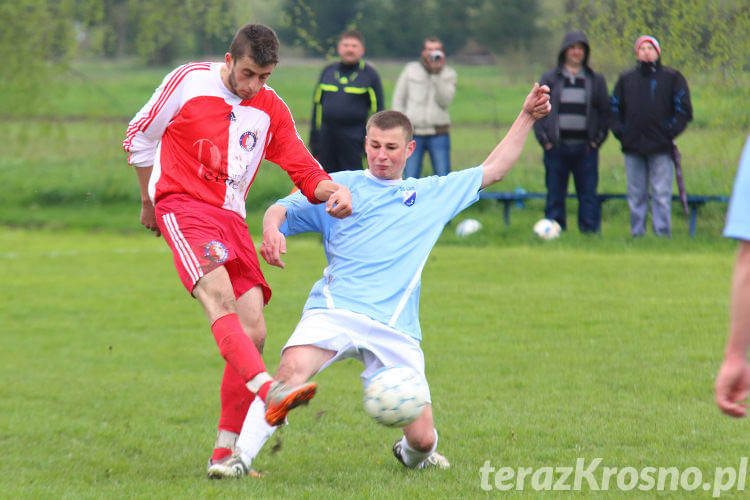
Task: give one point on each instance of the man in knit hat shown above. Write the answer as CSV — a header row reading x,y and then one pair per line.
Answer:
x,y
573,132
651,107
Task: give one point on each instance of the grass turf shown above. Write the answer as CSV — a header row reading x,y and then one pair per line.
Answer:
x,y
537,354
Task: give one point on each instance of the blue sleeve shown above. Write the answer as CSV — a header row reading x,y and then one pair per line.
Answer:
x,y
738,215
457,190
302,216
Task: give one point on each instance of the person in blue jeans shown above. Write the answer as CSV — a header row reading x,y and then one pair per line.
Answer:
x,y
573,132
423,92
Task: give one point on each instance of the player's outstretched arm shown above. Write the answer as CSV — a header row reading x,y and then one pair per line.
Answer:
x,y
505,154
733,380
274,242
337,197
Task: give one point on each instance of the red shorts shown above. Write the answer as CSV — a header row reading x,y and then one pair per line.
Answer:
x,y
203,237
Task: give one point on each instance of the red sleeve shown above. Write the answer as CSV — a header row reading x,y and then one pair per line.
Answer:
x,y
287,150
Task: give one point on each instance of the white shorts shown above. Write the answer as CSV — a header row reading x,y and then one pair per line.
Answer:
x,y
353,335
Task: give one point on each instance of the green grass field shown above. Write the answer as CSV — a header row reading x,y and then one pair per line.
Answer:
x,y
538,353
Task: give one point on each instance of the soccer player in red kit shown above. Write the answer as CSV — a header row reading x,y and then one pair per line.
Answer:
x,y
196,147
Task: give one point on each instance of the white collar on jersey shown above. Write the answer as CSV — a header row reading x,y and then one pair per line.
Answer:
x,y
385,182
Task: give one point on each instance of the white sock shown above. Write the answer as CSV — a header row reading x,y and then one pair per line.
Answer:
x,y
255,432
412,458
255,383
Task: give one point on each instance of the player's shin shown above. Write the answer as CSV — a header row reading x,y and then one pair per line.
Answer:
x,y
239,351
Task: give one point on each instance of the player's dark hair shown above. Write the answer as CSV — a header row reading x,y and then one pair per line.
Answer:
x,y
257,41
353,34
390,119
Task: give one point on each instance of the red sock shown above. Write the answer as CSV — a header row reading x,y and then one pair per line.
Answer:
x,y
236,347
220,453
263,391
235,400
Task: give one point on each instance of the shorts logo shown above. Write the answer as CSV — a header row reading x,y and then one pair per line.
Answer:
x,y
215,251
248,140
409,197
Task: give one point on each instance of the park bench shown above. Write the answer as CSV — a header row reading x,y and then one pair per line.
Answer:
x,y
507,198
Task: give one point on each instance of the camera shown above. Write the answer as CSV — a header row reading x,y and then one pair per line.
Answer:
x,y
436,55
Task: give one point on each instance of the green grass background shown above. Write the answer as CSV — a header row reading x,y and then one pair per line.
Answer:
x,y
538,353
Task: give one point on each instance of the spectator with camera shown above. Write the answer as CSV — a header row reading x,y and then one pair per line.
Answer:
x,y
423,92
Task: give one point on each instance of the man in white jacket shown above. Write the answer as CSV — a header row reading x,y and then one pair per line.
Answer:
x,y
423,92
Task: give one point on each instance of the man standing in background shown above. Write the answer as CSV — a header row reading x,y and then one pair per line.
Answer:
x,y
651,107
423,92
348,92
573,132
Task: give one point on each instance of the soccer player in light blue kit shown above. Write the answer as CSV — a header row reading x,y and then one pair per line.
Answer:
x,y
366,306
733,380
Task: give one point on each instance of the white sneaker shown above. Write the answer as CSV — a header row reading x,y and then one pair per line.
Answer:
x,y
435,460
230,468
224,439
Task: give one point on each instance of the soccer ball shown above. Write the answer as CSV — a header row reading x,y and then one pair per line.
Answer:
x,y
467,227
547,229
394,396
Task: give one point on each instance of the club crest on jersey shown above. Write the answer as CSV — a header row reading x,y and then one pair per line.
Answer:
x,y
248,140
215,251
409,196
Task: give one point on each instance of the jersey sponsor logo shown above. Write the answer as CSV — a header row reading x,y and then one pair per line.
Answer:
x,y
231,117
248,140
409,196
209,155
215,251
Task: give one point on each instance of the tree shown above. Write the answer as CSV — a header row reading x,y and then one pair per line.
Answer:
x,y
695,35
316,24
37,42
505,24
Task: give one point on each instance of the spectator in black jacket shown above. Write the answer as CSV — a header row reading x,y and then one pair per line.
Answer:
x,y
348,92
573,132
651,106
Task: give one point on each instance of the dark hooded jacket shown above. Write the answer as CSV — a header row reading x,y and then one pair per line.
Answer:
x,y
650,107
547,130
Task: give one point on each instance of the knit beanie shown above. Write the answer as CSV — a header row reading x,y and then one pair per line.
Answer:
x,y
646,38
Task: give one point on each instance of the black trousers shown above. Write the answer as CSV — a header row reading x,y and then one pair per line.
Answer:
x,y
341,148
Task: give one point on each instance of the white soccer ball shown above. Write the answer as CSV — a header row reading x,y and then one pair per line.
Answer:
x,y
467,227
395,396
547,229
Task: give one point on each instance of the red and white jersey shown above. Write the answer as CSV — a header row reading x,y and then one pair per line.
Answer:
x,y
207,142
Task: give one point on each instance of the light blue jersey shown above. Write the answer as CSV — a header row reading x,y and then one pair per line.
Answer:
x,y
738,215
376,255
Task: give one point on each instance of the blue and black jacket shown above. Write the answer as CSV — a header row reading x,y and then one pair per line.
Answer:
x,y
650,107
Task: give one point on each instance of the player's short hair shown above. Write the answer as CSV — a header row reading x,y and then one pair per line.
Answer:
x,y
352,34
390,119
256,41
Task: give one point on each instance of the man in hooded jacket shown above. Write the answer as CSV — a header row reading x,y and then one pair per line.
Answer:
x,y
573,132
